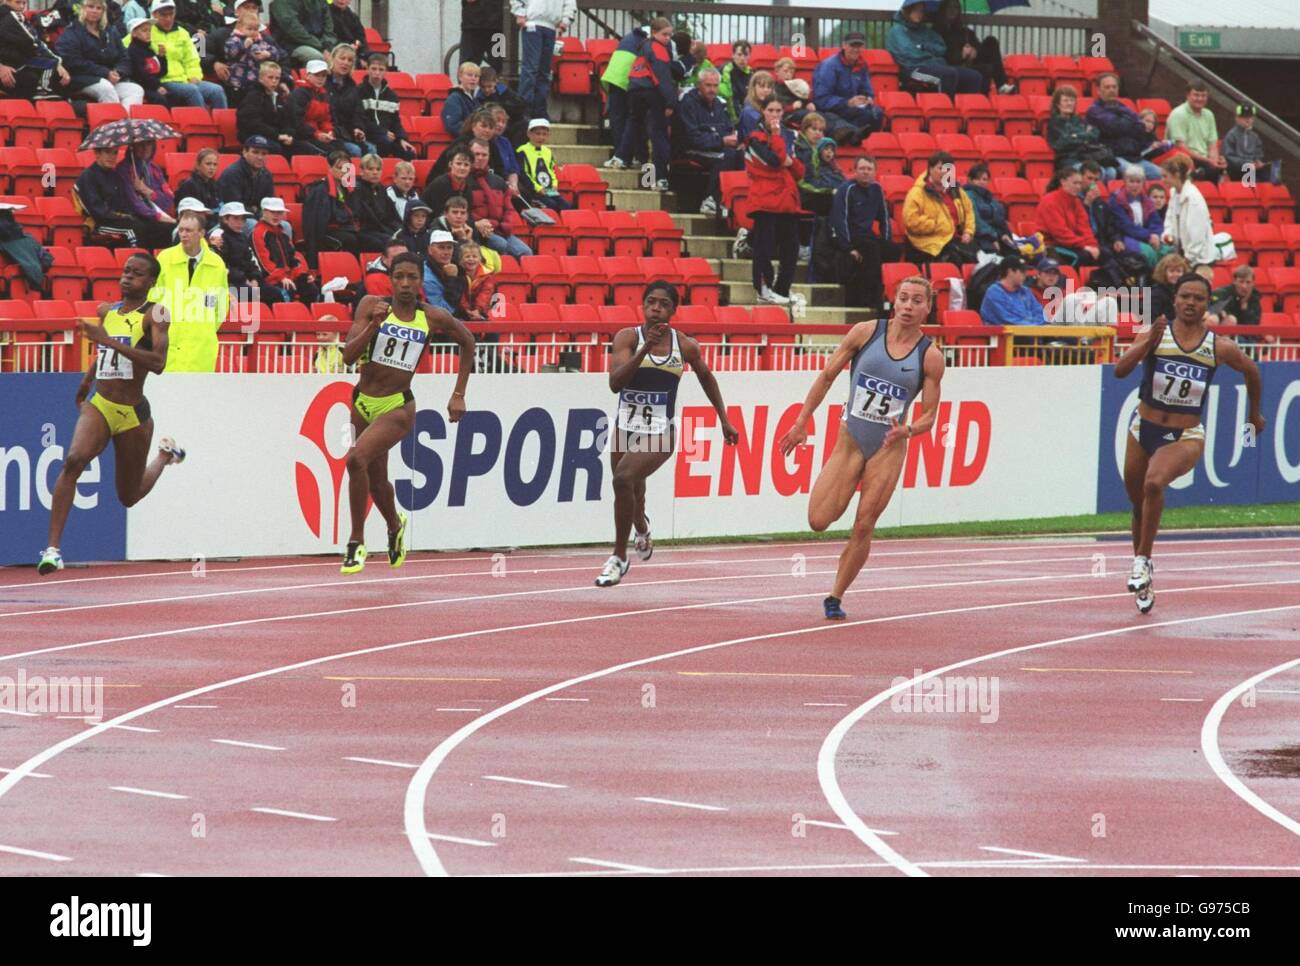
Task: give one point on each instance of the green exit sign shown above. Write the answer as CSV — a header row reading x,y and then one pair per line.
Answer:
x,y
1198,40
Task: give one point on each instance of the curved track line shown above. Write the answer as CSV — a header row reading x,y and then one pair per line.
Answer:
x,y
830,746
1214,757
417,790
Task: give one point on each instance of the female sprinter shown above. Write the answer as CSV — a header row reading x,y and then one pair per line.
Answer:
x,y
132,338
891,363
1166,437
389,340
645,370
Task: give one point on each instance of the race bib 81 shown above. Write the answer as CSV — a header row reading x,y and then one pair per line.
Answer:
x,y
398,346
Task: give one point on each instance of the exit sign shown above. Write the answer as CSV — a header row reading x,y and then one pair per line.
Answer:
x,y
1198,40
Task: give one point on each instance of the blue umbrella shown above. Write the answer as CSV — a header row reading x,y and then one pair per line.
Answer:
x,y
978,6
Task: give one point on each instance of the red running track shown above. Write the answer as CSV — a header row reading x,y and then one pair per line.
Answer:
x,y
472,714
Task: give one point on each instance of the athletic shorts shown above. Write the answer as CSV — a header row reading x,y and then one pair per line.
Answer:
x,y
121,417
372,407
1151,436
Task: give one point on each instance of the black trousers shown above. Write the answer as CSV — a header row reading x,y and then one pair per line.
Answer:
x,y
476,46
775,233
863,285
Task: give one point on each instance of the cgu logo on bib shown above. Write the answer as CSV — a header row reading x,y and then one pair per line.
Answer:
x,y
1182,370
643,398
883,387
402,332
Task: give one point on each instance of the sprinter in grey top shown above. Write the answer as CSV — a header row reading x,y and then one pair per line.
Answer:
x,y
891,362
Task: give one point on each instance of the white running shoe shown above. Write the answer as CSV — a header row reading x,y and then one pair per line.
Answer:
x,y
741,248
805,253
612,572
168,446
709,206
1139,578
615,163
52,560
662,185
765,294
643,545
1146,600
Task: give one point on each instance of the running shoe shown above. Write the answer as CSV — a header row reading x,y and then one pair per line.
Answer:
x,y
643,545
834,612
662,185
615,163
612,572
397,543
1146,600
1139,578
709,206
51,560
354,561
168,446
765,294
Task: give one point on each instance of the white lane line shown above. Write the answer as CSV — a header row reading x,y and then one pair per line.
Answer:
x,y
145,791
1277,691
824,704
122,727
678,804
829,781
21,714
621,866
245,744
992,865
287,814
522,781
33,854
840,825
30,774
198,707
152,875
416,791
458,709
1189,700
1214,757
1032,855
380,761
462,841
569,699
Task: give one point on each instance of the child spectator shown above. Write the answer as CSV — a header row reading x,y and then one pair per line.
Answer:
x,y
1244,150
147,68
285,274
265,112
415,230
376,216
480,284
248,47
700,55
202,182
761,87
236,248
402,189
540,182
152,195
462,100
379,105
491,91
313,115
614,80
733,85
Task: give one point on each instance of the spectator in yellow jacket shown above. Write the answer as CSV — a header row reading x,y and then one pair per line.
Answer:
x,y
183,81
193,287
938,216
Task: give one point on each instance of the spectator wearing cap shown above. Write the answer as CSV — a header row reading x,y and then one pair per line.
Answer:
x,y
540,23
842,88
938,215
1064,221
348,28
202,182
285,274
540,183
265,112
443,286
707,135
304,28
193,286
106,199
369,200
99,65
1120,126
231,238
490,207
145,66
193,204
862,234
480,23
991,229
1243,149
462,100
29,70
1191,124
313,115
1046,283
416,227
250,45
921,53
380,110
247,180
183,81
1009,301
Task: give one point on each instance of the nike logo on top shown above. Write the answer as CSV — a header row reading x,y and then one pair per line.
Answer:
x,y
905,368
1168,436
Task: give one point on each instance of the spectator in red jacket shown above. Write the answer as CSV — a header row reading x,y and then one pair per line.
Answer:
x,y
480,284
285,272
490,207
774,174
313,115
377,280
1064,221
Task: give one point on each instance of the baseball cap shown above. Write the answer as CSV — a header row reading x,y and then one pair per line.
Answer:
x,y
244,3
273,204
136,22
856,38
192,204
539,122
441,237
316,67
232,208
1046,264
1245,110
161,5
257,141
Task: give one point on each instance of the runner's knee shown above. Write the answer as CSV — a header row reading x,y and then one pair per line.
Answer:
x,y
74,464
1153,486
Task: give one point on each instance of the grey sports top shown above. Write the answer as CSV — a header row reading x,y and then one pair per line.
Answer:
x,y
881,388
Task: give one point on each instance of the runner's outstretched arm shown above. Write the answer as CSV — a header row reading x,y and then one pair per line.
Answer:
x,y
370,312
1140,348
454,329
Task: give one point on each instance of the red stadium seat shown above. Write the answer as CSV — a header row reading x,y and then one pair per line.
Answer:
x,y
1214,201
940,116
1019,197
626,236
1245,204
602,49
178,166
1040,107
66,278
1265,241
997,152
1287,281
977,113
626,279
335,264
103,271
198,126
26,126
65,129
286,182
67,227
1028,72
224,117
700,280
573,69
665,237
512,284
917,148
963,151
620,314
585,184
1291,237
1037,158
1013,113
590,237
587,277
900,107
1065,70
1279,206
550,282
16,309
22,172
892,273
61,165
883,69
884,147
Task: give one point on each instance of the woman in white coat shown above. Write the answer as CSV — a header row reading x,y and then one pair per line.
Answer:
x,y
1187,219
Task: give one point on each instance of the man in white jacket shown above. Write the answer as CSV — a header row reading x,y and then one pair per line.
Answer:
x,y
1187,219
540,22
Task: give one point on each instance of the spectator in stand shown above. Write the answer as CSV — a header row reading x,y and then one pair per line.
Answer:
x,y
232,240
795,95
29,70
416,229
345,102
455,182
774,175
1239,303
480,284
100,66
480,24
1120,127
1243,150
443,286
699,55
248,47
862,234
462,100
1152,146
198,17
965,49
184,78
194,289
285,274
146,68
1167,271
1187,222
402,189
106,199
812,131
376,280
378,218
992,234
652,96
332,208
706,135
922,54
313,115
1192,126
202,182
151,195
540,23
1072,138
761,86
1159,196
455,220
305,28
1064,223
193,204
1133,214
492,92
1009,301
614,79
842,90
348,28
1047,285
733,83
938,217
380,108
540,183
490,207
266,112
247,180
510,169
1095,205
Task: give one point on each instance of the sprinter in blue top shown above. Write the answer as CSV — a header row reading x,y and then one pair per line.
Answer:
x,y
1166,437
891,363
